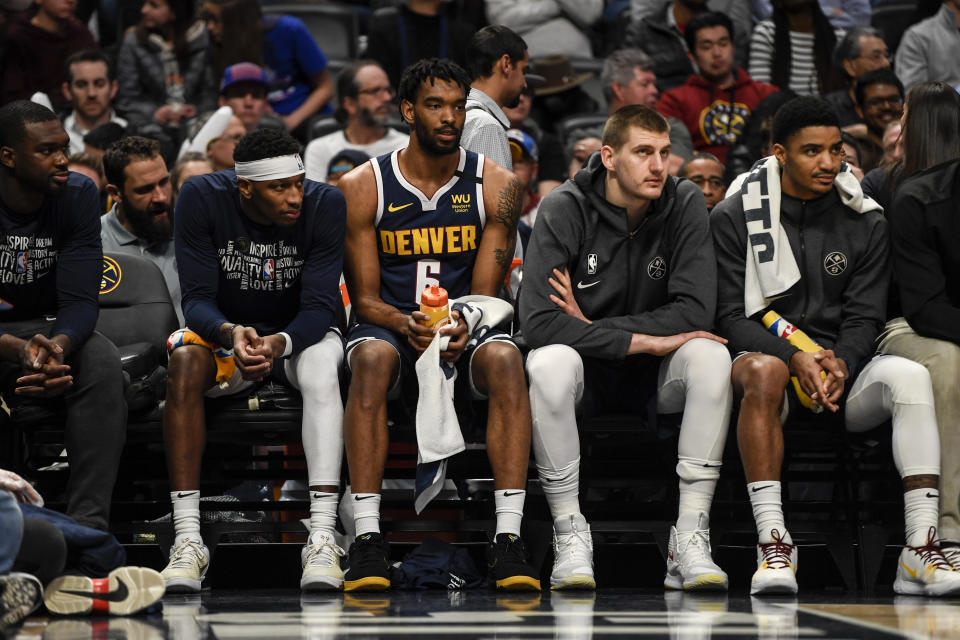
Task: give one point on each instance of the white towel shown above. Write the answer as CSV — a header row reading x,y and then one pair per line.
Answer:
x,y
42,99
438,431
771,268
214,127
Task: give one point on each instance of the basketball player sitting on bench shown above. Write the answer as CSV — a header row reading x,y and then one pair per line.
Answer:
x,y
816,254
619,288
260,251
431,213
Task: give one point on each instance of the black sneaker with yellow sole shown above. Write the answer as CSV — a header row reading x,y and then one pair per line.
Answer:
x,y
507,564
369,567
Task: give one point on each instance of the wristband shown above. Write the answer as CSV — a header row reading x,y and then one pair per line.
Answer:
x,y
230,329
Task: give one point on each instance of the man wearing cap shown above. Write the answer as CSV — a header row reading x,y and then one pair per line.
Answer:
x,y
260,251
344,162
220,148
366,102
497,60
244,89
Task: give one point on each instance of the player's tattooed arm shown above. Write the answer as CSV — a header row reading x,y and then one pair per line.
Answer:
x,y
509,205
503,196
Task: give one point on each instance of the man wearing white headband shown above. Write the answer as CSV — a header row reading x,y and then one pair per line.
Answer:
x,y
260,251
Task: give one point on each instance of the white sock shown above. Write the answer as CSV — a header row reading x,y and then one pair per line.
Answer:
x,y
767,509
323,513
698,482
690,521
509,507
186,515
366,513
921,510
561,488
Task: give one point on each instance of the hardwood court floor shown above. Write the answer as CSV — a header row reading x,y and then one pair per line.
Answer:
x,y
616,613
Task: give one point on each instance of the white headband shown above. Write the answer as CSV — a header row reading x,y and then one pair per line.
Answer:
x,y
270,168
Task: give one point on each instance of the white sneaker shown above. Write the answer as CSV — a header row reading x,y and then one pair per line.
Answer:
x,y
952,554
320,560
925,571
690,565
776,567
572,554
187,567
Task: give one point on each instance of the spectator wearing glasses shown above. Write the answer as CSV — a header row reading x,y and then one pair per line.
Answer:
x,y
879,100
861,50
220,149
366,102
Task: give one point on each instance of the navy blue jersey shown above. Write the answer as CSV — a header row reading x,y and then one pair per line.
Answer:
x,y
269,277
422,242
51,261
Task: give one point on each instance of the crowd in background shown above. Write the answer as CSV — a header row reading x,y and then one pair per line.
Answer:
x,y
163,71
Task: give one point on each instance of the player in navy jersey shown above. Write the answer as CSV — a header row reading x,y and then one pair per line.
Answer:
x,y
51,264
260,252
431,213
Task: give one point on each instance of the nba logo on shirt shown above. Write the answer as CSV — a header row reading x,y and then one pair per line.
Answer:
x,y
268,269
21,261
591,264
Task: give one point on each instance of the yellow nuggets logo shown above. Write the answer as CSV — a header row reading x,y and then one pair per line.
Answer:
x,y
460,202
429,240
111,275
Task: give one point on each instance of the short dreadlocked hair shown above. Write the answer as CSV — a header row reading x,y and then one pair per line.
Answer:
x,y
431,69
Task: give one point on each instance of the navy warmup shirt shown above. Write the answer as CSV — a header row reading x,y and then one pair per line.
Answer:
x,y
51,261
269,277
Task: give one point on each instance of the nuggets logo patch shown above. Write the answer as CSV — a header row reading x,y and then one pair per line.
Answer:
x,y
111,275
460,202
657,268
835,263
723,122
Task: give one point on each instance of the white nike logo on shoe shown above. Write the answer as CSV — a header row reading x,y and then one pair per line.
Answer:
x,y
580,284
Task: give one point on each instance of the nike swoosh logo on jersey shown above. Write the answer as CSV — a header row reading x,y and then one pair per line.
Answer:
x,y
393,208
580,284
118,595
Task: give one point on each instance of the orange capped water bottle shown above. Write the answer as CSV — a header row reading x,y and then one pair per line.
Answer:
x,y
783,329
434,303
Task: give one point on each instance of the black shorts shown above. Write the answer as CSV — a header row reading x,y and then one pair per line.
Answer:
x,y
360,333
